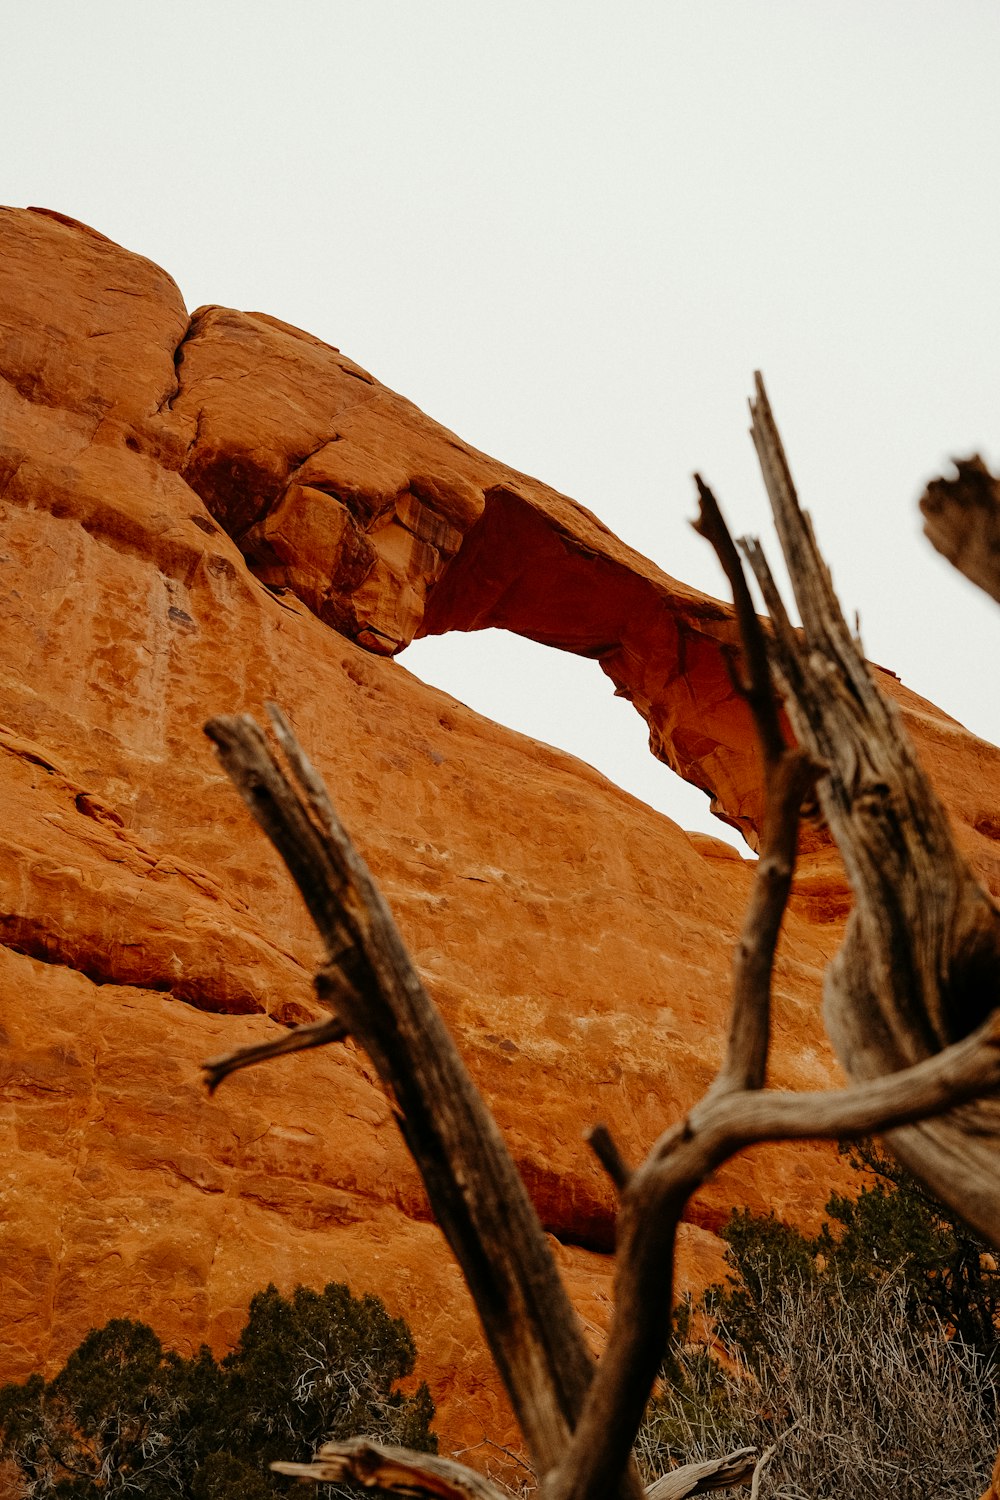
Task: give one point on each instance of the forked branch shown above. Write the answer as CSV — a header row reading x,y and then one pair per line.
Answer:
x,y
736,1112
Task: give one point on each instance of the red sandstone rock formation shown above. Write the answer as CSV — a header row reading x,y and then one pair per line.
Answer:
x,y
198,514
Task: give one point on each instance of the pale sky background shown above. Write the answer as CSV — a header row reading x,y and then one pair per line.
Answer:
x,y
570,232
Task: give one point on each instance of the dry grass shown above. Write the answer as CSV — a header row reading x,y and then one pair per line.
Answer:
x,y
850,1397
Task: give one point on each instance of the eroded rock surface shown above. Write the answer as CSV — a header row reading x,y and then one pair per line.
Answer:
x,y
200,514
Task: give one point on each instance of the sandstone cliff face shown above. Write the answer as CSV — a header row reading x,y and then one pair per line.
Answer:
x,y
196,515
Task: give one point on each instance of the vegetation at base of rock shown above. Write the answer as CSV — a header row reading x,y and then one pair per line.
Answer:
x,y
892,1228
124,1416
866,1354
321,1365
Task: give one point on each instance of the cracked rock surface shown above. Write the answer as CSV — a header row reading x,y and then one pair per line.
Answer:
x,y
201,513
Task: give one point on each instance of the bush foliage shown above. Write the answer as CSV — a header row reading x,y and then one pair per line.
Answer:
x,y
124,1416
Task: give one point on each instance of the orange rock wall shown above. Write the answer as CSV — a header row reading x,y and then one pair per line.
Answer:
x,y
199,514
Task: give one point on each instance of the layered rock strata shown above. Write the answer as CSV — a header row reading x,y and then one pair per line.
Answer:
x,y
198,514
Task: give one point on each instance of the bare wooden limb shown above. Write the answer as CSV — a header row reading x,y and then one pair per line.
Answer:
x,y
789,774
745,1066
760,1468
683,1158
655,1196
375,1466
700,1479
758,690
920,961
605,1148
960,1073
474,1188
314,1034
321,1033
962,520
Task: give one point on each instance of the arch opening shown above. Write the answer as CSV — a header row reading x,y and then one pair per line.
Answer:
x,y
565,701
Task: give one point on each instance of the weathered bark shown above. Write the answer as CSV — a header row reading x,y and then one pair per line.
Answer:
x,y
701,1479
920,962
962,520
376,1466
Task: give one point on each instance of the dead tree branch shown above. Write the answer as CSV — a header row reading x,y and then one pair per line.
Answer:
x,y
758,689
700,1479
375,1466
473,1185
789,774
920,963
299,1039
907,879
656,1194
962,520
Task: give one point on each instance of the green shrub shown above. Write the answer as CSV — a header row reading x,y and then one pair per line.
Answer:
x,y
124,1416
118,1418
894,1224
220,1476
317,1366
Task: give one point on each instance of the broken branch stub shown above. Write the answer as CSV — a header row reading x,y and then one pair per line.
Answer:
x,y
736,1468
380,1467
299,1039
962,520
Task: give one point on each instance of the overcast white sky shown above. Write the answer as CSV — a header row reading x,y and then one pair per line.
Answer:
x,y
570,232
